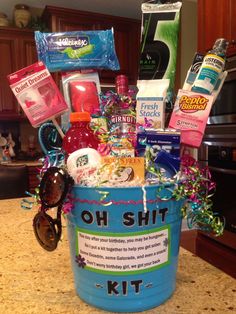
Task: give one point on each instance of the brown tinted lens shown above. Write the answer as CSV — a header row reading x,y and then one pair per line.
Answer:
x,y
53,189
45,232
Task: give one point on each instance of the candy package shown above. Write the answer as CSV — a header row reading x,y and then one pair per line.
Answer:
x,y
159,42
77,50
37,93
124,170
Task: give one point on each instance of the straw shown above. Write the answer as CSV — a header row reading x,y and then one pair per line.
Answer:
x,y
58,127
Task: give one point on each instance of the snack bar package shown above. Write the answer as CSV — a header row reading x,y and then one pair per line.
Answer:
x,y
125,170
37,93
77,50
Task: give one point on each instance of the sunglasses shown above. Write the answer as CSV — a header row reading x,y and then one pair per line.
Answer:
x,y
53,189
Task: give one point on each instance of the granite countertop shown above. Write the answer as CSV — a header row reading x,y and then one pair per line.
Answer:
x,y
35,281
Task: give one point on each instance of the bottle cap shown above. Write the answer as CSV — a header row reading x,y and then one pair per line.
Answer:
x,y
80,116
121,79
221,43
122,84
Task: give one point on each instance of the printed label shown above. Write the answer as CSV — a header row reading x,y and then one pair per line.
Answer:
x,y
193,103
215,62
209,73
150,109
25,84
73,47
123,119
82,161
119,253
191,111
57,42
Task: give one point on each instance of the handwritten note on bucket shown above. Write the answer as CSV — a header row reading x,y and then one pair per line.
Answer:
x,y
134,252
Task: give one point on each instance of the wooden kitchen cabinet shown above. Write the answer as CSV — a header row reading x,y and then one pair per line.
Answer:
x,y
33,178
218,251
216,19
126,33
18,50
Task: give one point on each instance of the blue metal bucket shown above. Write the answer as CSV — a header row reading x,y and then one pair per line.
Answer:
x,y
124,248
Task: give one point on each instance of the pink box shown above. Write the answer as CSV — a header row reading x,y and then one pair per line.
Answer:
x,y
190,114
37,93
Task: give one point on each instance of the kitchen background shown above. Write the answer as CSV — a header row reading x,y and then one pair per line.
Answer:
x,y
199,29
25,137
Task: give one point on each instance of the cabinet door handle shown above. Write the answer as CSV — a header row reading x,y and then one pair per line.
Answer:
x,y
223,170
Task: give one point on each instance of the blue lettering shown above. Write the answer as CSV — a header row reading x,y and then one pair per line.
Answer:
x,y
149,107
152,114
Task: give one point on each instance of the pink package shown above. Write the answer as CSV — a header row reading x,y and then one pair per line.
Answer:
x,y
190,114
84,96
37,93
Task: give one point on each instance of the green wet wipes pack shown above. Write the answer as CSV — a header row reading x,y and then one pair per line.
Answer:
x,y
68,51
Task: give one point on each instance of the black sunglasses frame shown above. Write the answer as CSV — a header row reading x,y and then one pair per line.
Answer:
x,y
54,225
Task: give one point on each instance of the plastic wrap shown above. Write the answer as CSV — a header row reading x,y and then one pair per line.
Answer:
x,y
76,50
